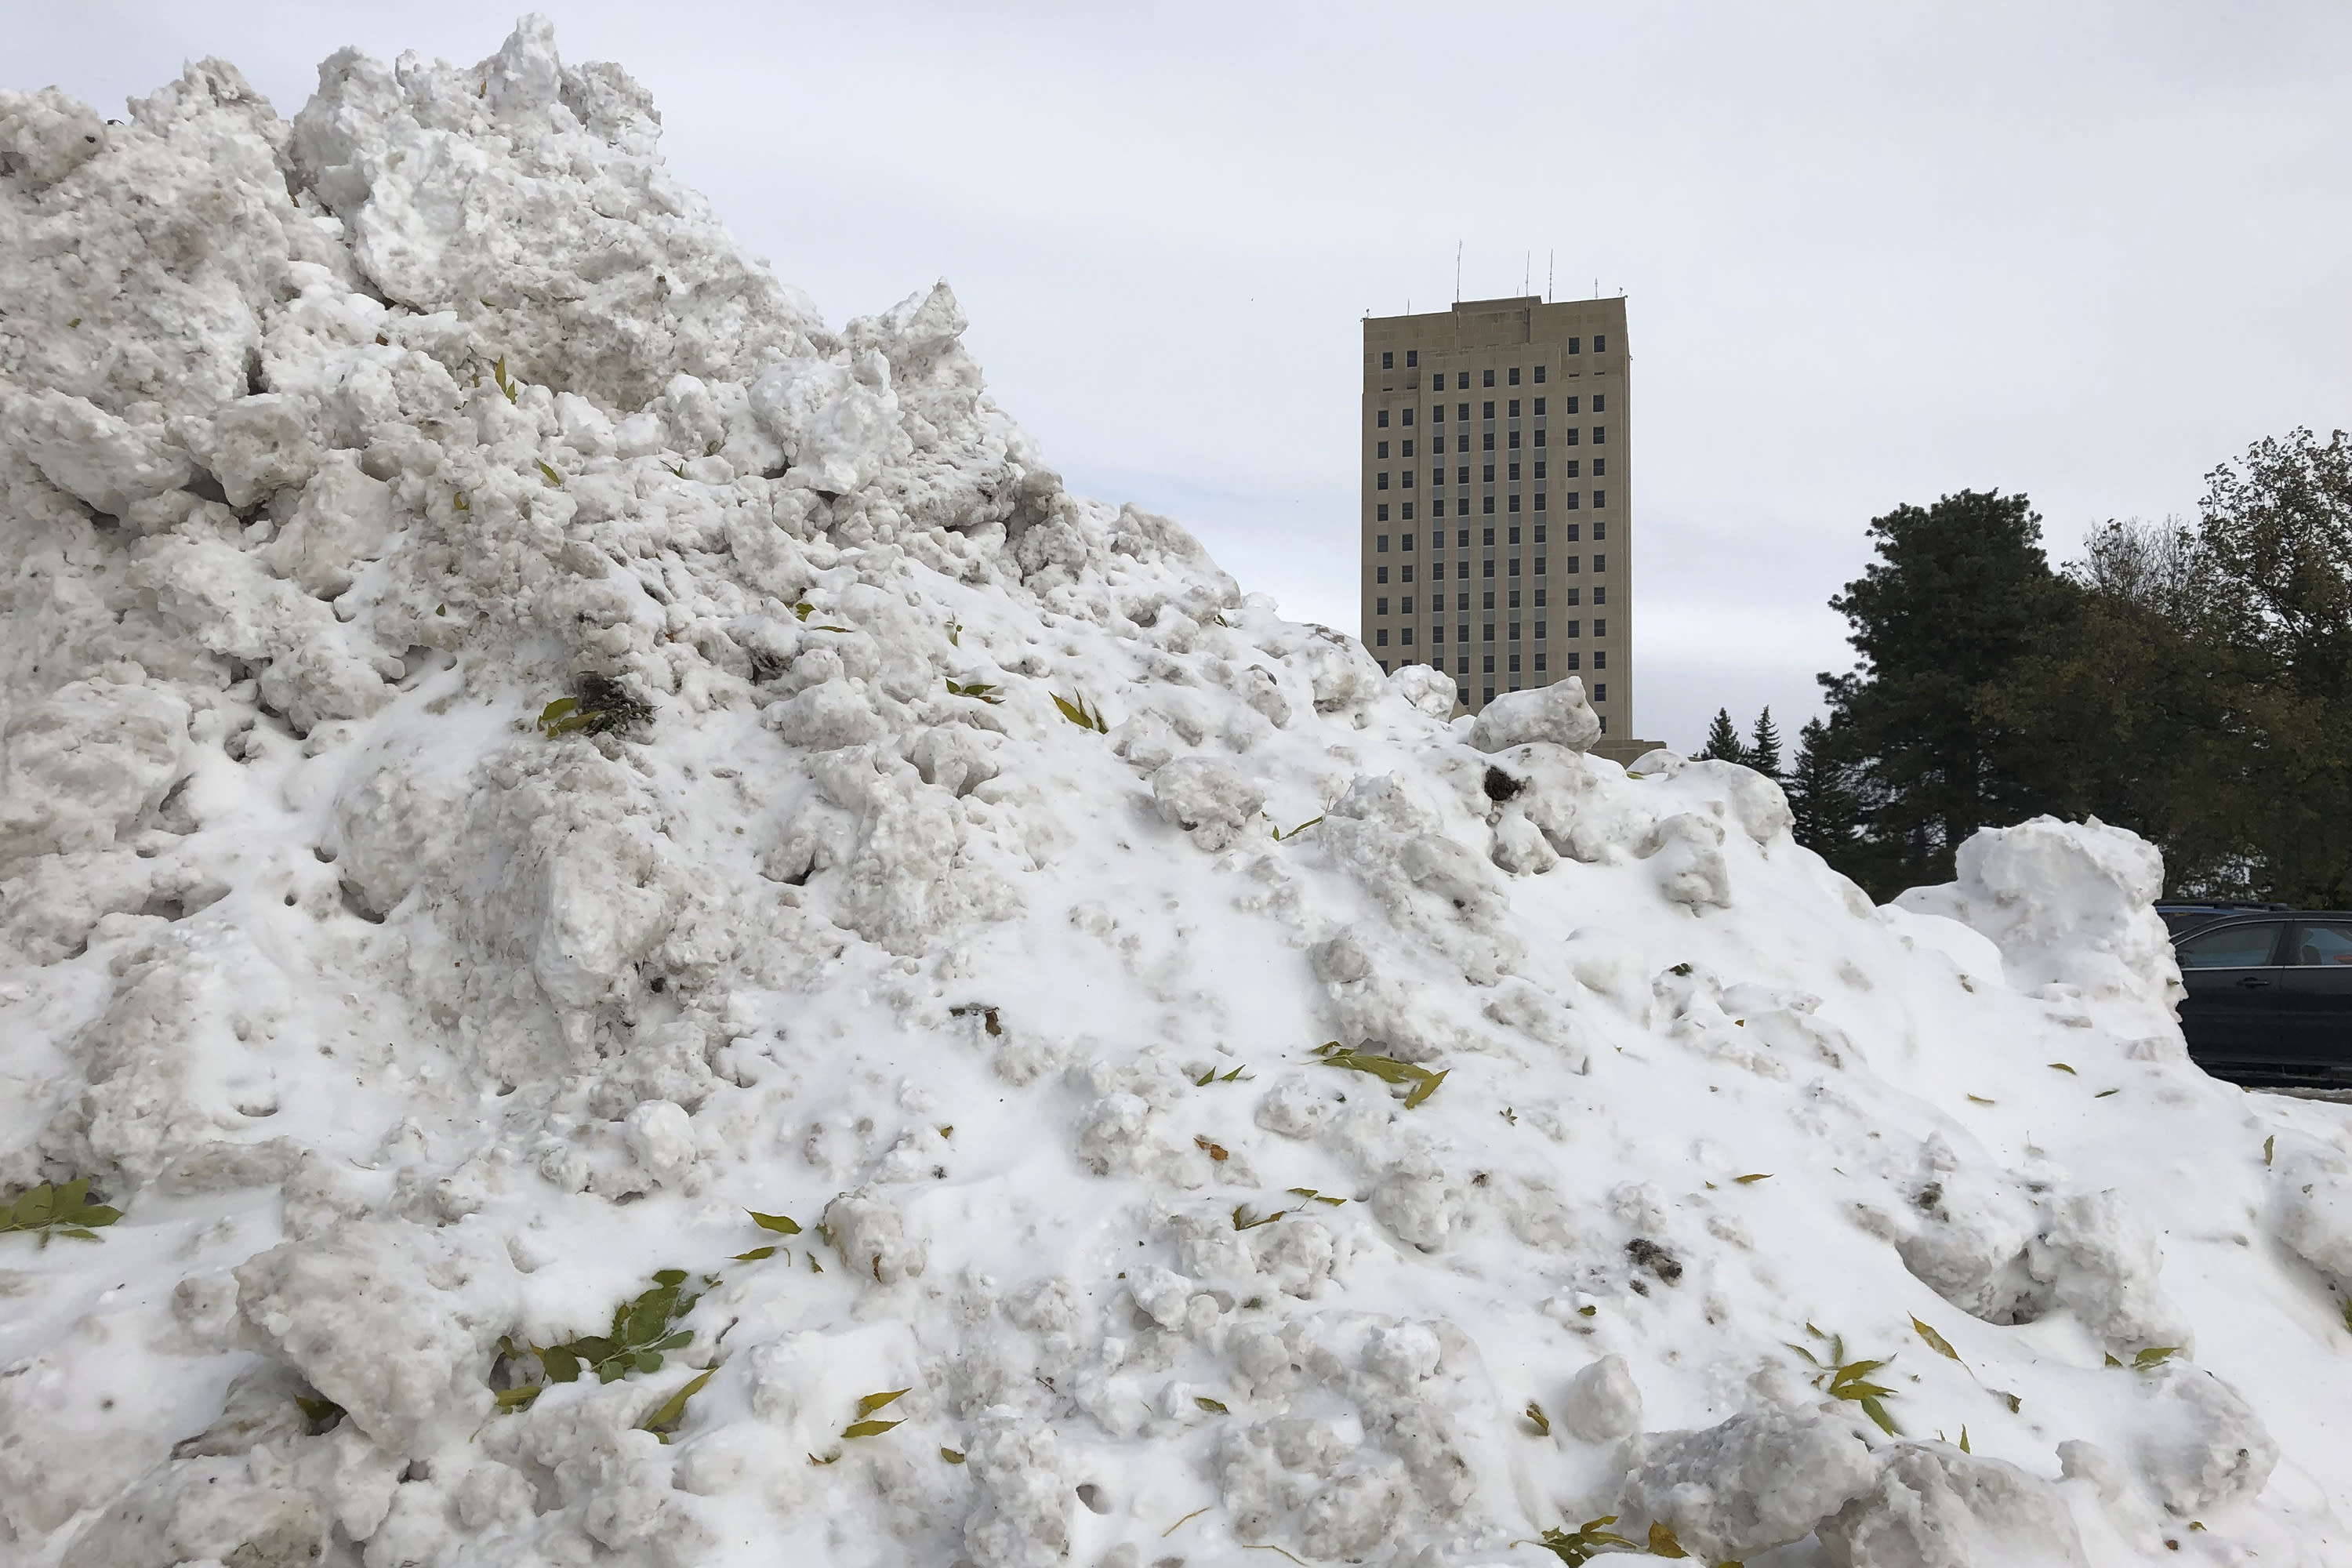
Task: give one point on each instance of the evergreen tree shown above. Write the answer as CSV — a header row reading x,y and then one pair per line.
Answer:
x,y
1959,594
1723,741
1823,798
1764,745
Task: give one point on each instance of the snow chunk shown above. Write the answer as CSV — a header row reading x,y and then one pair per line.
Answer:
x,y
1757,1481
83,766
1935,1507
2197,1442
1208,799
2067,903
93,455
1556,713
394,1323
1603,1403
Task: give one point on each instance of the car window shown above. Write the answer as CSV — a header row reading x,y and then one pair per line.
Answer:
x,y
2328,944
2232,947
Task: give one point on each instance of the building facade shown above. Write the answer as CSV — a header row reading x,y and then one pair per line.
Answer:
x,y
1498,498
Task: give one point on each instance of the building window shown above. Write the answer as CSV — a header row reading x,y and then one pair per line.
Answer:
x,y
1381,419
1515,565
1515,533
1568,500
1600,563
1490,694
1490,599
1462,568
1539,661
1600,402
1515,631
1539,437
1486,504
1384,666
1405,542
1568,437
1404,479
1380,450
1404,450
1404,417
1437,410
1599,532
1600,467
1515,598
1572,629
1572,564
1539,637
1514,402
1380,638
1571,660
1380,573
1487,537
1539,604
1462,633
1490,407
1599,628
1600,694
1515,375
1490,670
1515,664
1570,469
1462,540
1405,512
1514,441
1462,693
1599,435
1600,344
1380,544
1599,499
1405,636
1539,496
1488,636
1571,596
1462,475
1540,560
1514,469
1515,500
1569,403
1539,402
1539,376
1461,412
1437,506
1570,532
1489,566
1539,468
1380,606
1413,359
1380,482
1599,596
1601,658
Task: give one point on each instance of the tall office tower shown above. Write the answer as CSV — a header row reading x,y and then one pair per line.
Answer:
x,y
1498,498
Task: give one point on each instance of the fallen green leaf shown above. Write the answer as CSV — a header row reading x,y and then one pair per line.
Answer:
x,y
951,1455
1750,1180
1537,1419
2154,1355
1663,1542
782,1224
869,1429
756,1254
1936,1341
2062,1067
1215,1406
549,477
1079,713
873,1402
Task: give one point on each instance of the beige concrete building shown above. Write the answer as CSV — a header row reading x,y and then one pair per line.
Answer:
x,y
1498,498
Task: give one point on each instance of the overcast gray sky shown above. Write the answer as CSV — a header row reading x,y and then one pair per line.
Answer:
x,y
1873,252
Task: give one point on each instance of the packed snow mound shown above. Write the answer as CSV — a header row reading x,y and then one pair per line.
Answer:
x,y
673,955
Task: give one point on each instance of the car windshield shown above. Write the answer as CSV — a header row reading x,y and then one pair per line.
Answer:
x,y
2232,947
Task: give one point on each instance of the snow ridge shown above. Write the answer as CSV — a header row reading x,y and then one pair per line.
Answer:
x,y
525,752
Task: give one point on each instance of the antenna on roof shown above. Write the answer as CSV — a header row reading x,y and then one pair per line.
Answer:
x,y
1551,266
1527,272
1457,272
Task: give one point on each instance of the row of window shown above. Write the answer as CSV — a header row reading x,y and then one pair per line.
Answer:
x,y
1572,597
1568,531
1437,411
1437,449
1412,361
1511,634
1568,502
1569,567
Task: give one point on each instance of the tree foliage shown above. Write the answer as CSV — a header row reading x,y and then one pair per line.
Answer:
x,y
1723,741
2191,682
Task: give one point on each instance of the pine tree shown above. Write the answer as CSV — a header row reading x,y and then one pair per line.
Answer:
x,y
1764,745
1723,741
1823,798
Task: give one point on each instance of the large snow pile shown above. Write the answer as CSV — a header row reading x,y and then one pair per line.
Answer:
x,y
1226,1107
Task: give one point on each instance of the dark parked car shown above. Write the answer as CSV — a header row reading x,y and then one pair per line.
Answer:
x,y
2179,918
2270,996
